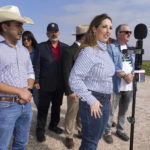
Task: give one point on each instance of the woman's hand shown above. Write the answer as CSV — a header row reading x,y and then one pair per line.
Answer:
x,y
95,109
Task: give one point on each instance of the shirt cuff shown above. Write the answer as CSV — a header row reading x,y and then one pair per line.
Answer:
x,y
90,100
32,76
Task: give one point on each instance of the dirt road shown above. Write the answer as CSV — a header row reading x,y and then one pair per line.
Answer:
x,y
141,134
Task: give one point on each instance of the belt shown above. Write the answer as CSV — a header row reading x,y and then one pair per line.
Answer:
x,y
12,99
9,99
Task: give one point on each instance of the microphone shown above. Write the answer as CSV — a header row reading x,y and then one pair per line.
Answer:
x,y
140,31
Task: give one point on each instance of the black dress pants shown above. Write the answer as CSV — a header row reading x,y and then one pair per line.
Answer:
x,y
45,97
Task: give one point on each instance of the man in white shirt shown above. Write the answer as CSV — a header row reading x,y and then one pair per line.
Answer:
x,y
122,82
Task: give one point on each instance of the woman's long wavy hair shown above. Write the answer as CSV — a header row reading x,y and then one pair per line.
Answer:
x,y
90,39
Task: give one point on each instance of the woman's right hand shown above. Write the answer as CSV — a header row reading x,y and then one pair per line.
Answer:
x,y
95,109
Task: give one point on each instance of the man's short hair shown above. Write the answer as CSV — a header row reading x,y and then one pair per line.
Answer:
x,y
6,22
118,28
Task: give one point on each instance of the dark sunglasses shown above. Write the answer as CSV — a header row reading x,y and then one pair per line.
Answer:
x,y
26,39
126,32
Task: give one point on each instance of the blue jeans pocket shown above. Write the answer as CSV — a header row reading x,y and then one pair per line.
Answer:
x,y
5,104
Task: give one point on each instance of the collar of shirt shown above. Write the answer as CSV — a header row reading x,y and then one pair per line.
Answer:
x,y
118,45
102,46
78,43
53,46
2,39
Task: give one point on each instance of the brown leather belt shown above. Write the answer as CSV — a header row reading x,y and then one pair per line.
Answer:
x,y
9,99
12,99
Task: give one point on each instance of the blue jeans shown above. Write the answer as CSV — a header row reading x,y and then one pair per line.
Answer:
x,y
36,96
15,119
92,129
122,99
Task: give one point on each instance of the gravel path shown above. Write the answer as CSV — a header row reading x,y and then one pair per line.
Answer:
x,y
141,131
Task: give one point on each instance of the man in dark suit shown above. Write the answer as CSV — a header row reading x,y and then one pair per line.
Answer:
x,y
72,100
49,81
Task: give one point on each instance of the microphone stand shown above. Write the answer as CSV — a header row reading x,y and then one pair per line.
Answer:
x,y
140,32
132,118
138,65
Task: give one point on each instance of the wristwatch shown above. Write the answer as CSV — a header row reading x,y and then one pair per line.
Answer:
x,y
30,90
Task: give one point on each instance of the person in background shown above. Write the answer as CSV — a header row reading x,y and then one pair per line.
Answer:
x,y
91,80
16,80
29,41
72,99
122,82
49,80
112,40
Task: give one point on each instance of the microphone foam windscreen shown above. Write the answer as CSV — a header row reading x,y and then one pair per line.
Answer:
x,y
140,31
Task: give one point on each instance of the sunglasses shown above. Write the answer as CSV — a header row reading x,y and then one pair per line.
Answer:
x,y
26,39
126,32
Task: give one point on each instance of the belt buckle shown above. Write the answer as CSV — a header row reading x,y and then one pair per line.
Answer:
x,y
18,101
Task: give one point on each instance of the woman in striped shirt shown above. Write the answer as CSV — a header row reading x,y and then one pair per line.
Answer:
x,y
91,80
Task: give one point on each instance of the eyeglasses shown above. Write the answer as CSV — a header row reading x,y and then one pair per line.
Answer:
x,y
126,32
26,39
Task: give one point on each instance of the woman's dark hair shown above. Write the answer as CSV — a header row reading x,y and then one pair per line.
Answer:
x,y
30,36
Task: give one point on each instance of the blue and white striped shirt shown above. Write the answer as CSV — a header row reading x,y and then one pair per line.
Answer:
x,y
15,65
93,70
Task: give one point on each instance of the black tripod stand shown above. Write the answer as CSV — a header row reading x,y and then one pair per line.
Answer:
x,y
132,119
140,33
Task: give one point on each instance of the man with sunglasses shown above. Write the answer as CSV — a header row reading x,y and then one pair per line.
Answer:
x,y
122,82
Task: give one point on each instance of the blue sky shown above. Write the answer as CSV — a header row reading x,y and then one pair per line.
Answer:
x,y
69,13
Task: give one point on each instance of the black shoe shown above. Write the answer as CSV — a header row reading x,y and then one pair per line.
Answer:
x,y
56,130
108,138
114,124
122,135
69,143
40,135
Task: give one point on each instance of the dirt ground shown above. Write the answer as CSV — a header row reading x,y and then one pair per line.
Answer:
x,y
141,130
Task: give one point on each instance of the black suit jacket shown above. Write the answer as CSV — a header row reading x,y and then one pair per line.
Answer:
x,y
68,62
48,72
